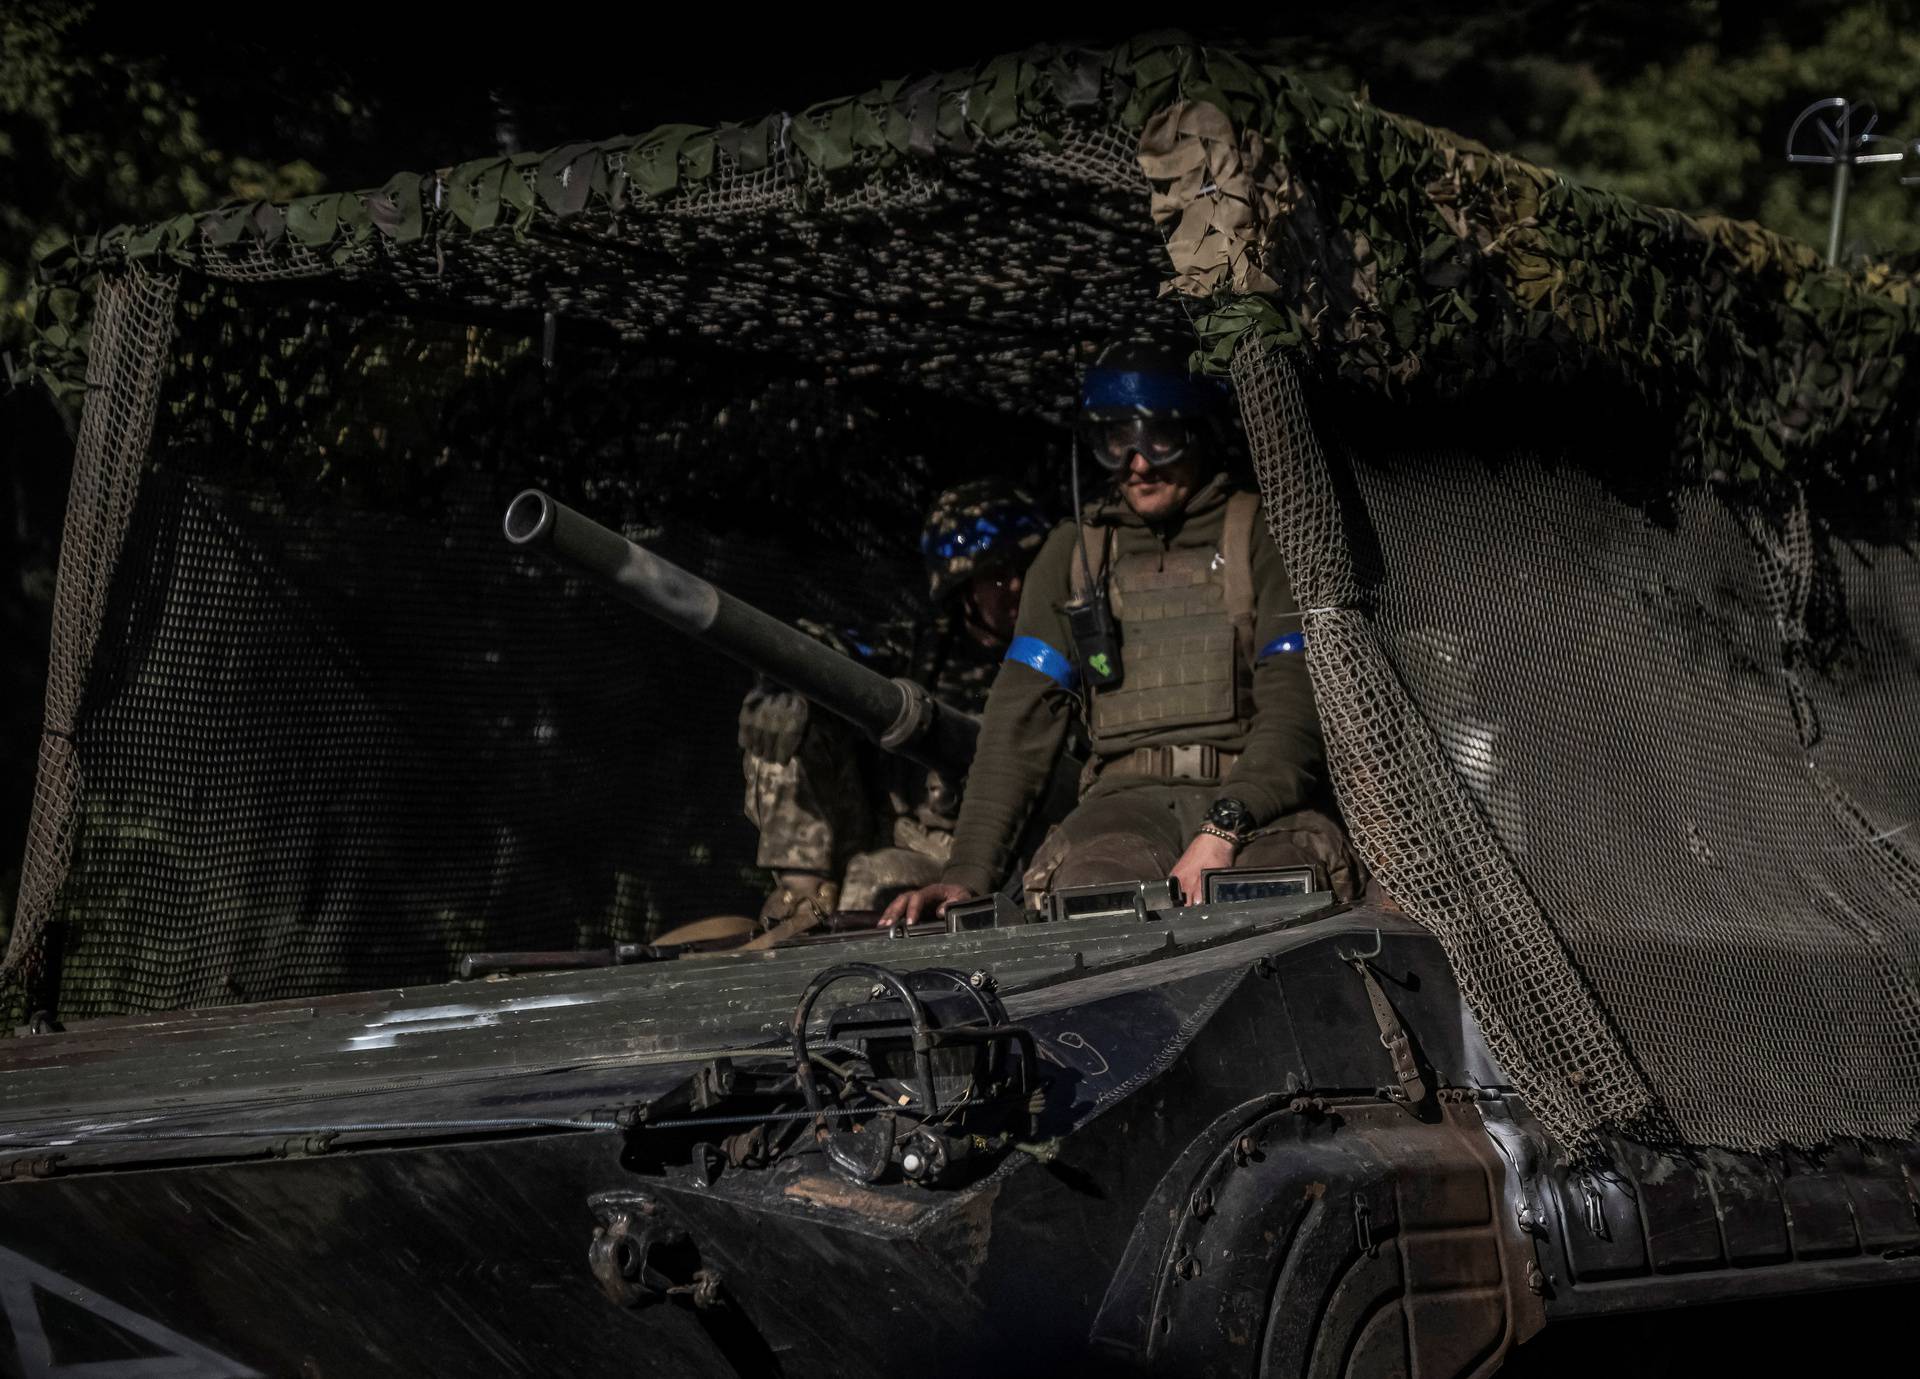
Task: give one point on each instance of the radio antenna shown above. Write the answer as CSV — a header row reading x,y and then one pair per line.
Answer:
x,y
1841,137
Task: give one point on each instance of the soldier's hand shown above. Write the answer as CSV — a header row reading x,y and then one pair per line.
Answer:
x,y
929,902
1204,854
773,721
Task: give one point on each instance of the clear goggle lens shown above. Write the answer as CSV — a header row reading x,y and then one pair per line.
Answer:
x,y
1158,440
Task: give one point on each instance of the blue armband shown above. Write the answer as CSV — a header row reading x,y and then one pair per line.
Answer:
x,y
1037,655
1279,646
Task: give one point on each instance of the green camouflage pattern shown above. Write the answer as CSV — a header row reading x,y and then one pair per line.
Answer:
x,y
1398,257
828,802
1412,262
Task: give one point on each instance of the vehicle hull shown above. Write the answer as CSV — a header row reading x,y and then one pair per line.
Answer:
x,y
1228,1177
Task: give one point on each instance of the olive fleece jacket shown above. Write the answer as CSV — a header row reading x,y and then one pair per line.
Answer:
x,y
1282,762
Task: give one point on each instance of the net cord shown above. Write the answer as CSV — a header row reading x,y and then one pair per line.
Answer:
x,y
131,331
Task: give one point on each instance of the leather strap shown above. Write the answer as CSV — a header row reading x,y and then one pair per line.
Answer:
x,y
1393,1035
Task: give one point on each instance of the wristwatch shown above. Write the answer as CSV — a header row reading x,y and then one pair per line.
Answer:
x,y
1229,819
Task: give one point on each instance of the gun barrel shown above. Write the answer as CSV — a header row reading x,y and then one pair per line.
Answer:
x,y
896,713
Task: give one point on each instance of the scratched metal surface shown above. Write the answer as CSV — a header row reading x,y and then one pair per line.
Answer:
x,y
568,1040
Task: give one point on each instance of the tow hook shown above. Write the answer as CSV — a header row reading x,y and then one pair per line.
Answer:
x,y
640,1254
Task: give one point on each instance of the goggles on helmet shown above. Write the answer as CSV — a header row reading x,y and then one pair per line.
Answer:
x,y
1157,440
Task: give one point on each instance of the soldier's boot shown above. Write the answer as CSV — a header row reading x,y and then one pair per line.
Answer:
x,y
796,892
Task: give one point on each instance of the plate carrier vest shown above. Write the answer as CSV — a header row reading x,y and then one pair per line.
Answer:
x,y
1186,633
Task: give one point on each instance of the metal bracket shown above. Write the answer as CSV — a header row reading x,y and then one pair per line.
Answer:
x,y
305,1146
713,1084
30,1166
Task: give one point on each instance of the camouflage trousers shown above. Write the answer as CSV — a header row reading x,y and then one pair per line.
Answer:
x,y
1136,832
814,811
809,809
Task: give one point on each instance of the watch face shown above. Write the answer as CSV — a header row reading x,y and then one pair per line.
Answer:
x,y
1229,814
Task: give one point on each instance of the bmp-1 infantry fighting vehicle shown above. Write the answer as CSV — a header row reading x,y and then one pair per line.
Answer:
x,y
1601,520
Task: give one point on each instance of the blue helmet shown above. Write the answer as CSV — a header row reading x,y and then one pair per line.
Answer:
x,y
1134,378
979,527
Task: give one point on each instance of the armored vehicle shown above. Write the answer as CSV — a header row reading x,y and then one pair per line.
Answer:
x,y
1601,517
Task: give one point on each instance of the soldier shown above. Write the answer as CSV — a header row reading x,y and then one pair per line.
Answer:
x,y
1206,747
841,825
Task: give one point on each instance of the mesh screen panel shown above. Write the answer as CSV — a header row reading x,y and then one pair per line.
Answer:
x,y
342,748
338,735
1645,768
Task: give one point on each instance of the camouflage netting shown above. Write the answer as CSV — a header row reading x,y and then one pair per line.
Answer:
x,y
329,732
1641,760
1610,616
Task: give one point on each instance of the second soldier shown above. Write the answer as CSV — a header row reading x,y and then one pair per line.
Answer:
x,y
842,825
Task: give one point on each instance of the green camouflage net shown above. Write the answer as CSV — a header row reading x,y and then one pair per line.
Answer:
x,y
314,729
1397,256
